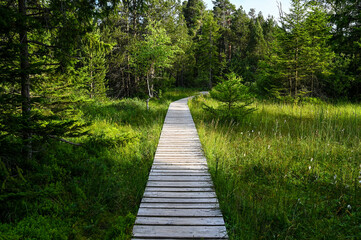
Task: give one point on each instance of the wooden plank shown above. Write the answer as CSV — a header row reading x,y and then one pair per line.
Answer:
x,y
179,184
180,178
180,154
178,171
184,232
178,189
187,158
181,167
180,162
173,238
179,194
183,173
179,200
165,212
180,205
165,163
180,221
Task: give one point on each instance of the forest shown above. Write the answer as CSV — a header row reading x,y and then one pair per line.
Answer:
x,y
85,86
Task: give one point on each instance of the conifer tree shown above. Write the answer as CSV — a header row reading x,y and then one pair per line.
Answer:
x,y
293,37
208,61
318,53
223,12
94,64
38,37
193,12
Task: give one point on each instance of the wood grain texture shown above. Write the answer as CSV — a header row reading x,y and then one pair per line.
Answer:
x,y
184,232
179,201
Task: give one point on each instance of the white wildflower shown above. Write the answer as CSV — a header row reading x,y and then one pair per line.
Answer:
x,y
334,177
311,159
269,146
349,207
309,167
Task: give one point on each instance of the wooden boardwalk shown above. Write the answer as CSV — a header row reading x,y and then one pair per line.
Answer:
x,y
179,201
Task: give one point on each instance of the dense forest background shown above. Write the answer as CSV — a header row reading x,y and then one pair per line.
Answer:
x,y
57,52
57,55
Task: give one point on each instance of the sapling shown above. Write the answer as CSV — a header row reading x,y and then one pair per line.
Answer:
x,y
233,95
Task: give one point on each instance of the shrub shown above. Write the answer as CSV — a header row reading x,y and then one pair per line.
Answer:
x,y
234,97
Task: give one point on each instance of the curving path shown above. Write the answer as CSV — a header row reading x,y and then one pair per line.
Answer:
x,y
179,201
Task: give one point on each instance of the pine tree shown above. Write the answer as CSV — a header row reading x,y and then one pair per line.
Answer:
x,y
292,37
318,53
193,11
94,64
207,53
223,12
38,39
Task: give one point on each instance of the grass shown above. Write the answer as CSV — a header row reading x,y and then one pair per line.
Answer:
x,y
286,171
87,192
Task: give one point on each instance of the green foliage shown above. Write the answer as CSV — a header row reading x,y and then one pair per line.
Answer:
x,y
208,62
230,91
153,54
301,57
234,96
286,171
94,67
192,11
90,191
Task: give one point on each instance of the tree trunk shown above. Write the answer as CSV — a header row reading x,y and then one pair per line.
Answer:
x,y
210,61
91,92
25,82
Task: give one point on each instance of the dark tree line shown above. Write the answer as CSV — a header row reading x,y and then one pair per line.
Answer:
x,y
56,53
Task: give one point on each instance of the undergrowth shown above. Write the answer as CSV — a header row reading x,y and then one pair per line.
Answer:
x,y
91,191
286,171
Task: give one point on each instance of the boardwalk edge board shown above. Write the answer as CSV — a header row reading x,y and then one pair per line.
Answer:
x,y
179,201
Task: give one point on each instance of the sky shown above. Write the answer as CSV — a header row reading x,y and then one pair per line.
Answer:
x,y
267,7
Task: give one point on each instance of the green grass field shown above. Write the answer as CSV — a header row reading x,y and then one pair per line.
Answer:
x,y
91,191
286,171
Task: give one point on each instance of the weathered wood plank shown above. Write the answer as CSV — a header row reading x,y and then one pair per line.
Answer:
x,y
180,178
182,167
183,232
184,189
180,162
165,212
179,184
179,200
179,194
179,173
180,221
179,205
165,163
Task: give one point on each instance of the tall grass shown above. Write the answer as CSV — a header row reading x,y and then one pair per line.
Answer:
x,y
91,191
286,171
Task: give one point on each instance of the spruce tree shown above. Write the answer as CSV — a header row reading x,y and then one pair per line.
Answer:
x,y
38,39
193,12
208,61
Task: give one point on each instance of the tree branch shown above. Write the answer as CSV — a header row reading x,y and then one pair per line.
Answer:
x,y
42,44
63,140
